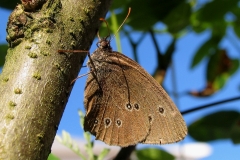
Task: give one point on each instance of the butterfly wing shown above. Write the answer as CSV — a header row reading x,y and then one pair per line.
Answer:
x,y
131,107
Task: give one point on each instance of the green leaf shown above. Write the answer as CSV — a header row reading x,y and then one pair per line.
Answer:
x,y
208,17
87,136
154,12
162,8
81,115
153,154
52,157
220,68
234,66
235,132
215,10
119,4
145,14
213,126
219,28
3,53
66,140
115,25
136,19
214,66
220,81
206,49
236,22
236,27
175,21
103,154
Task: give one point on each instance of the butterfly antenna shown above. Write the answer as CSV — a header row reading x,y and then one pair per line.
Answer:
x,y
129,11
99,38
102,19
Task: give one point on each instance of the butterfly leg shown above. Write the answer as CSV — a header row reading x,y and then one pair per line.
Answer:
x,y
79,77
94,74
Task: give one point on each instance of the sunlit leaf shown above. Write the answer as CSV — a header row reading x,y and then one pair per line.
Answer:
x,y
220,81
153,154
52,157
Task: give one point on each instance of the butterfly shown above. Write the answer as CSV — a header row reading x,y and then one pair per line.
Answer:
x,y
125,105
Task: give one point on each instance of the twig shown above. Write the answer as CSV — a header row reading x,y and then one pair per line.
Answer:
x,y
159,54
210,105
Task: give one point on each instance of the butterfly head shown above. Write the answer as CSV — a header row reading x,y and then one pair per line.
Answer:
x,y
104,43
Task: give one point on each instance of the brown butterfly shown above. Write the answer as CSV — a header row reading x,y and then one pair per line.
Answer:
x,y
125,105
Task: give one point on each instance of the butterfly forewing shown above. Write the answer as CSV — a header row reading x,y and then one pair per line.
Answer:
x,y
111,116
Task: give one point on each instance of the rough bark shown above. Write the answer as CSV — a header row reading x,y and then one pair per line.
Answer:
x,y
35,80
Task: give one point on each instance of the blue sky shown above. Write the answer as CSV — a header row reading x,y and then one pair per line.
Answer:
x,y
187,79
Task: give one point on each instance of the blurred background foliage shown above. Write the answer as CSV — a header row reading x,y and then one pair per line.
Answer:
x,y
181,17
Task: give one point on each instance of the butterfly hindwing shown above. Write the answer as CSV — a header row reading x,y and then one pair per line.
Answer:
x,y
167,124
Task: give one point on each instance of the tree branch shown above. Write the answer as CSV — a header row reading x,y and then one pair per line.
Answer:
x,y
35,80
